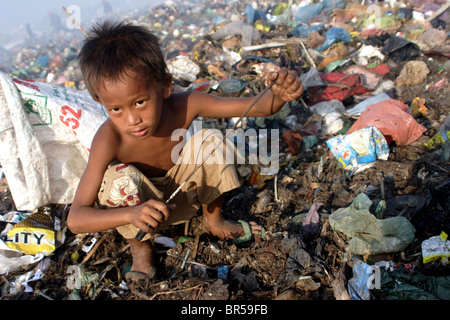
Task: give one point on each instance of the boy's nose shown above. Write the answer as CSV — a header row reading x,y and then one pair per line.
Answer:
x,y
133,118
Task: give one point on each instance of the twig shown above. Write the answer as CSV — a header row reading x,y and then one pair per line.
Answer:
x,y
199,292
307,54
194,250
275,188
439,11
185,259
304,103
76,23
192,262
89,255
44,295
175,291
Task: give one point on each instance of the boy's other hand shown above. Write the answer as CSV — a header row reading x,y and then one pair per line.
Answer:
x,y
288,86
150,214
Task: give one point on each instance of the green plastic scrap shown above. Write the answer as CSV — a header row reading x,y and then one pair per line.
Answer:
x,y
369,235
397,285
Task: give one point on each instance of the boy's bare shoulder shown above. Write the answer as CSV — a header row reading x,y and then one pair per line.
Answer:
x,y
107,132
107,139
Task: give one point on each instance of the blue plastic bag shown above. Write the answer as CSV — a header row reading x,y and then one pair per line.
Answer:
x,y
309,11
359,285
303,30
252,15
333,35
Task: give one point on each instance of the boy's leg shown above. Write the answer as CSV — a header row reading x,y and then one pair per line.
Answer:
x,y
143,262
215,224
123,186
208,185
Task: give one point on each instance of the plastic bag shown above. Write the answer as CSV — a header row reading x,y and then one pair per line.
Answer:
x,y
367,52
229,86
309,11
361,106
359,150
369,235
331,111
11,261
401,286
399,49
339,86
45,136
333,35
252,14
359,284
413,73
394,121
435,248
303,30
371,78
182,68
311,78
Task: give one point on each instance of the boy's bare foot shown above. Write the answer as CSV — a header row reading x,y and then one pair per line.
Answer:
x,y
142,253
216,225
228,230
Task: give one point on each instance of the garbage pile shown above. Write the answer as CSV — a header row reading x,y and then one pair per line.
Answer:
x,y
359,205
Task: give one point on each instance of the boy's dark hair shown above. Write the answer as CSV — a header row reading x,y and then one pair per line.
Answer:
x,y
114,48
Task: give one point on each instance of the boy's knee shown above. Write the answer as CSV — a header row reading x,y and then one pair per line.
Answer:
x,y
120,186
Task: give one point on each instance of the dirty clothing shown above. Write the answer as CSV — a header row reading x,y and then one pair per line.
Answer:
x,y
124,185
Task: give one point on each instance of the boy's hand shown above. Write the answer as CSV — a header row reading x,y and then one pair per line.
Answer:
x,y
287,87
150,214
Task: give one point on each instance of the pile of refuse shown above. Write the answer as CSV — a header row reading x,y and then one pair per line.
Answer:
x,y
358,207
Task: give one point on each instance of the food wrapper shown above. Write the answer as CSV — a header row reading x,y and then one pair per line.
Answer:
x,y
360,149
435,248
35,234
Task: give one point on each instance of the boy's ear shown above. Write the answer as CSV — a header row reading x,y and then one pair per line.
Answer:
x,y
167,85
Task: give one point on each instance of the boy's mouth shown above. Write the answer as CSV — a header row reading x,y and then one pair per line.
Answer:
x,y
140,133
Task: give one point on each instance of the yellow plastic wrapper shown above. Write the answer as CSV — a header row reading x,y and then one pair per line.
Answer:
x,y
35,234
418,107
436,248
439,138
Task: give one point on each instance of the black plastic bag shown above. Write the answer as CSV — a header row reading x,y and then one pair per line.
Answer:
x,y
399,49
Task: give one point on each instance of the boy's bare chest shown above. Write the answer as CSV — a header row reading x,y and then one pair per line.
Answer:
x,y
153,157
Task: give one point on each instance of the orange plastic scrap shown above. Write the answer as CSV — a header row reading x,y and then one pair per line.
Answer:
x,y
294,141
391,117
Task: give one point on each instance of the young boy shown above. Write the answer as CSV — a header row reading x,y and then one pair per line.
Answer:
x,y
131,171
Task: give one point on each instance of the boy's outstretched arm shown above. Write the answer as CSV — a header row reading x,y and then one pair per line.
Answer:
x,y
287,87
84,217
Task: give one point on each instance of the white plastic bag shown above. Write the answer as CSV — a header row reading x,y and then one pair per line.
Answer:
x,y
182,68
331,111
45,135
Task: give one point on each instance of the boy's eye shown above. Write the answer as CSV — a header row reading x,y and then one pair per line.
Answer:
x,y
140,103
116,109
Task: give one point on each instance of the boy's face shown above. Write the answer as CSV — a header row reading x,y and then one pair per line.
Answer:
x,y
134,105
